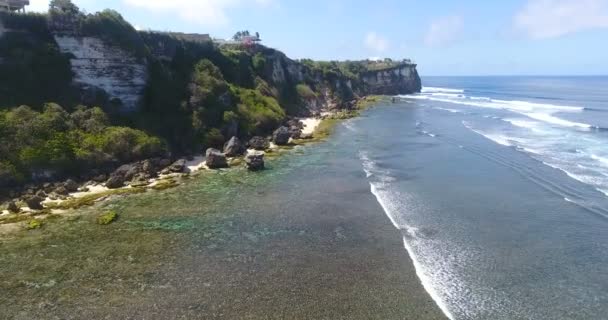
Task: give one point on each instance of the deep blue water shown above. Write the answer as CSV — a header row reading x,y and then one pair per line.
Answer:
x,y
499,186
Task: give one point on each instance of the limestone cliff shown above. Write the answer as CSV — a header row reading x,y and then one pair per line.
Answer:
x,y
401,79
335,91
98,65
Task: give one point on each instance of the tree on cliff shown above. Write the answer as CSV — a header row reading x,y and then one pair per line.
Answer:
x,y
64,15
64,7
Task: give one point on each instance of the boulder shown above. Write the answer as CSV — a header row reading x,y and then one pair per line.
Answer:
x,y
122,170
178,166
48,187
41,194
12,207
215,159
234,147
115,181
255,160
295,132
259,143
71,185
147,166
132,172
281,136
100,178
34,203
295,123
61,190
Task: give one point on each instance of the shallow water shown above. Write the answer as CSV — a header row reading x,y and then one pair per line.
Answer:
x,y
304,239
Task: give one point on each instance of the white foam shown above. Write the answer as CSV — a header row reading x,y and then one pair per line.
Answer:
x,y
448,110
498,138
558,121
428,133
604,191
523,123
425,279
602,160
440,90
539,111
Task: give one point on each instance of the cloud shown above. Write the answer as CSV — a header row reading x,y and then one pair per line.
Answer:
x,y
38,5
542,19
376,42
444,31
204,12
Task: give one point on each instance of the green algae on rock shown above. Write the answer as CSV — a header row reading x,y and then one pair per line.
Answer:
x,y
34,224
107,218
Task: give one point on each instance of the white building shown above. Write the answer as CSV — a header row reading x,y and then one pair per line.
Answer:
x,y
13,5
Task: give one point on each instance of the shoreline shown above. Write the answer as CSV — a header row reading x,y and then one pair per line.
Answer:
x,y
100,192
342,248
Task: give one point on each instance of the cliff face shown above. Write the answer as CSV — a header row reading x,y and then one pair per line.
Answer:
x,y
334,92
97,65
402,79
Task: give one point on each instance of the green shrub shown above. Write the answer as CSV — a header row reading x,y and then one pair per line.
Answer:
x,y
9,176
110,26
259,63
305,92
56,141
214,139
257,113
121,143
33,69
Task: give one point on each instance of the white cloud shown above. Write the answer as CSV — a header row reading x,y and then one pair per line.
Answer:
x,y
376,42
444,31
204,12
541,19
38,5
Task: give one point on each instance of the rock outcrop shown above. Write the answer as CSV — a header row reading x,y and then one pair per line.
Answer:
x,y
281,136
215,159
255,160
259,143
234,147
34,203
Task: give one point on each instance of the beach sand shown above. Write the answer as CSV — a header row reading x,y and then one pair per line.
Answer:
x,y
310,124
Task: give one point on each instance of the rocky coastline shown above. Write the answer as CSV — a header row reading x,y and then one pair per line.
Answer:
x,y
36,202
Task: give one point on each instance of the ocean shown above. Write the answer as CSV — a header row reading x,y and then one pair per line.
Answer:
x,y
500,188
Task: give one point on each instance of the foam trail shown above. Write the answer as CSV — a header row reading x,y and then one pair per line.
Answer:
x,y
538,111
440,90
424,278
368,167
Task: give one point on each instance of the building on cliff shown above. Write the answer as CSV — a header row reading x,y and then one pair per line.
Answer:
x,y
13,5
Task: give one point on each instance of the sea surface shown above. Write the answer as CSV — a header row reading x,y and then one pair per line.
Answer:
x,y
500,187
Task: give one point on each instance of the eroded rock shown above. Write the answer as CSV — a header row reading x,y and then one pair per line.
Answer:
x,y
281,136
234,147
259,143
215,159
255,160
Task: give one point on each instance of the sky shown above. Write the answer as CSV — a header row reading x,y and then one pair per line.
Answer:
x,y
465,37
